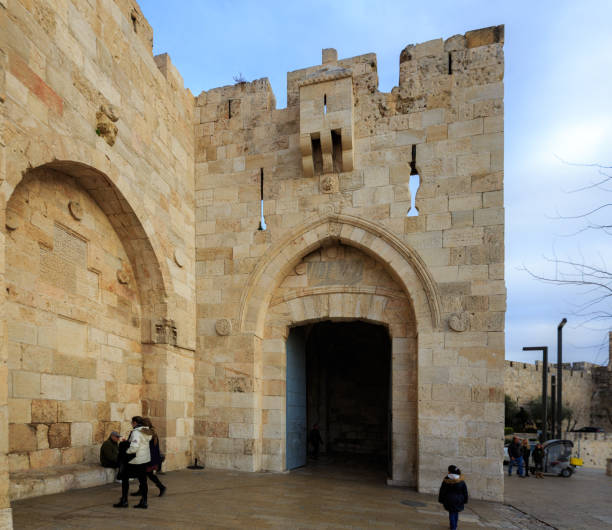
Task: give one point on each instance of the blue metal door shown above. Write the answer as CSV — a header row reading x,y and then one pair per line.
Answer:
x,y
296,398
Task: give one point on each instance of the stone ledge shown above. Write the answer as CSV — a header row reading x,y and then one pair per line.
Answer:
x,y
34,483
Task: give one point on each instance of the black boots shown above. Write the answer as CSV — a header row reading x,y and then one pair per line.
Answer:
x,y
142,504
162,490
123,503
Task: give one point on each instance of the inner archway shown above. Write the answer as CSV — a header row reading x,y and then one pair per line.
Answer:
x,y
332,286
346,376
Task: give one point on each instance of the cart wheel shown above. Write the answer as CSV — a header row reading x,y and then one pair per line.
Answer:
x,y
566,472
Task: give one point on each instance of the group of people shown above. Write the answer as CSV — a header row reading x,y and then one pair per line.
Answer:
x,y
137,456
519,454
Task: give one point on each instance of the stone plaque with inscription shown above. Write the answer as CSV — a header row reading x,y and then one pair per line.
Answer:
x,y
335,272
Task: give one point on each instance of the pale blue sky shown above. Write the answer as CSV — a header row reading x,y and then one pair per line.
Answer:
x,y
557,104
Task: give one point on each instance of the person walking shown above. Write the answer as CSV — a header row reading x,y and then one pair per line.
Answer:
x,y
515,454
538,460
137,445
453,495
526,452
156,460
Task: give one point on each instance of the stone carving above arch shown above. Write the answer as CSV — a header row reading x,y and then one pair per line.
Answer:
x,y
403,262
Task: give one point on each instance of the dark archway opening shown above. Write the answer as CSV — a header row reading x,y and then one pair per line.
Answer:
x,y
347,394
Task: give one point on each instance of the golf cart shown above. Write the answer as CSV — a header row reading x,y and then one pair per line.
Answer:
x,y
557,458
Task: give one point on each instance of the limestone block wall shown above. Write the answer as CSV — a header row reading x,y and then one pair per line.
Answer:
x,y
6,520
601,410
81,94
73,321
523,382
594,448
445,122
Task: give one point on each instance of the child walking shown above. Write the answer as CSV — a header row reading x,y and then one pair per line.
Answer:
x,y
453,495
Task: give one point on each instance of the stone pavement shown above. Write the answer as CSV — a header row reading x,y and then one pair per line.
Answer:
x,y
582,501
308,498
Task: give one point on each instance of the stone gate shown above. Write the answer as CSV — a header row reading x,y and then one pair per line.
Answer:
x,y
159,248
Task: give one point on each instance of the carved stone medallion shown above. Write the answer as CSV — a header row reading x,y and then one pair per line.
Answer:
x,y
179,257
76,210
458,321
223,327
123,277
13,221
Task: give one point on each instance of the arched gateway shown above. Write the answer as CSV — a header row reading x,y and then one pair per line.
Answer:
x,y
339,269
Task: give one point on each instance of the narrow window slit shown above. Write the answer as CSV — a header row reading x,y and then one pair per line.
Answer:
x,y
317,154
450,63
229,109
262,221
336,137
325,104
413,185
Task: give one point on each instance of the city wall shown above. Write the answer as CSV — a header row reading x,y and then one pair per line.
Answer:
x,y
97,242
594,448
523,383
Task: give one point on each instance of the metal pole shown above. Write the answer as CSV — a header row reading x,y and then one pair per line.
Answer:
x,y
544,350
553,405
560,374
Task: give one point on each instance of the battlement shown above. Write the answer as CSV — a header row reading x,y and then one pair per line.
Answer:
x,y
581,367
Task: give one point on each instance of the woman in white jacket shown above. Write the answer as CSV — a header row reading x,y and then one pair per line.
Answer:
x,y
137,445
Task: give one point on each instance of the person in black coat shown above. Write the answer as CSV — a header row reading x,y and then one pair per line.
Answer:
x,y
453,495
515,453
314,437
526,452
538,460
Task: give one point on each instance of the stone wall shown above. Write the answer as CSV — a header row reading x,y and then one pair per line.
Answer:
x,y
601,412
83,99
75,358
336,167
594,448
523,382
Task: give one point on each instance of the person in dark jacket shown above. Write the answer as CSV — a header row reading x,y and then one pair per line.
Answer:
x,y
526,452
453,495
314,437
156,460
515,454
109,451
538,460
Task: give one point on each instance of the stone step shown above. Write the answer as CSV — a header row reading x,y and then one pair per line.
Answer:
x,y
34,483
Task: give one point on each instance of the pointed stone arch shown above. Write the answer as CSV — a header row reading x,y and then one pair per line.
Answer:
x,y
402,262
124,214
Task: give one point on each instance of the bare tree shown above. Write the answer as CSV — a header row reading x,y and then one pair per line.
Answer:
x,y
594,280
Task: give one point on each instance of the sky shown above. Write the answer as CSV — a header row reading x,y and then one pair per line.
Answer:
x,y
558,110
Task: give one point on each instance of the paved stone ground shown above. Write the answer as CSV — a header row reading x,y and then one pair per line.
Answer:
x,y
314,497
582,501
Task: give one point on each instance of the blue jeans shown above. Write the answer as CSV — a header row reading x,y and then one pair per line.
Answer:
x,y
453,518
518,462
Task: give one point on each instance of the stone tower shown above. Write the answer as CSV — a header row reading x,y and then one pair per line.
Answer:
x,y
237,271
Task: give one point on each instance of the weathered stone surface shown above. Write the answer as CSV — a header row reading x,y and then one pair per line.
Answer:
x,y
22,438
59,435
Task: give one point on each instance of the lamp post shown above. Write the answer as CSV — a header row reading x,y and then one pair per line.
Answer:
x,y
553,406
544,350
560,374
